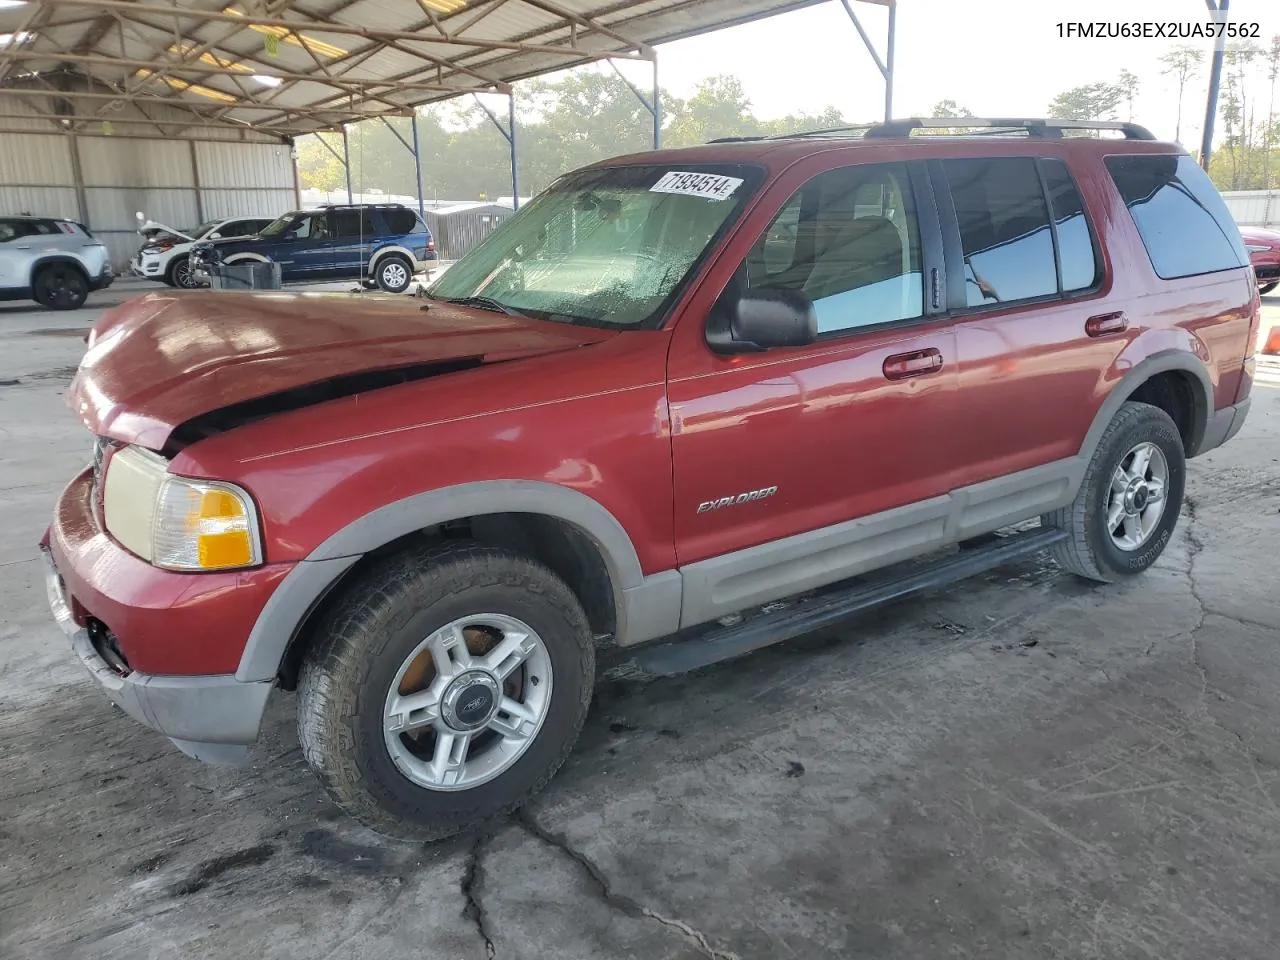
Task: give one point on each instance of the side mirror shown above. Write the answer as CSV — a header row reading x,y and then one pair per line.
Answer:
x,y
747,321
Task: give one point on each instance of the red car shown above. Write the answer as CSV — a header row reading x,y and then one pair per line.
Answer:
x,y
1264,253
677,404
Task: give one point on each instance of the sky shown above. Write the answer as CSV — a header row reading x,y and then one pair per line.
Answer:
x,y
996,57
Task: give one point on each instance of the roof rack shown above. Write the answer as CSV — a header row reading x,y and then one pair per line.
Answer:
x,y
352,206
1034,127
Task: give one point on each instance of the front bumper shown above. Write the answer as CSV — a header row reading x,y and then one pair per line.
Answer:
x,y
210,718
125,618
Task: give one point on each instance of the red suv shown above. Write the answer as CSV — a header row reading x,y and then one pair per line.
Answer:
x,y
697,400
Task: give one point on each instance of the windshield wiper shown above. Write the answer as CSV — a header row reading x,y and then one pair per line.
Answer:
x,y
484,303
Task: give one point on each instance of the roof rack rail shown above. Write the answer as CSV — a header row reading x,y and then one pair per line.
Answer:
x,y
1036,127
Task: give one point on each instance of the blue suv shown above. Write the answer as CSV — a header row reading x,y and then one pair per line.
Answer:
x,y
382,245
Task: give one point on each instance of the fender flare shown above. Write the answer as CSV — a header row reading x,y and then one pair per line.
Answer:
x,y
382,252
306,585
1181,361
45,261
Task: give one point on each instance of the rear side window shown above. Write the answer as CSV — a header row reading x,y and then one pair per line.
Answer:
x,y
1077,253
1182,220
400,221
1004,229
346,223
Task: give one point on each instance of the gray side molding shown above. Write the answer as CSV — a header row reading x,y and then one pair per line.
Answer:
x,y
1166,360
307,583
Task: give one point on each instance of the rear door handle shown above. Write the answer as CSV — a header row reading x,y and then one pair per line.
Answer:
x,y
1105,324
23,246
919,363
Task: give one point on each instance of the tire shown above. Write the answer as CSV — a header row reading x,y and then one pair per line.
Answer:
x,y
61,286
179,274
1265,288
358,663
393,274
1092,551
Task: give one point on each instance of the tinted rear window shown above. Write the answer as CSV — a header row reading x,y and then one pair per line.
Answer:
x,y
1183,222
400,221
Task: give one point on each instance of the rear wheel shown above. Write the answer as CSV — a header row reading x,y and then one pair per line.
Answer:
x,y
393,274
1127,505
1267,287
61,286
445,689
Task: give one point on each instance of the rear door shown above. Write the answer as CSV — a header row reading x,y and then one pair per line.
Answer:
x,y
15,254
1025,285
353,230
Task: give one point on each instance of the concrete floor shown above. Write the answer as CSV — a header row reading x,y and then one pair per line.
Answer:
x,y
1020,766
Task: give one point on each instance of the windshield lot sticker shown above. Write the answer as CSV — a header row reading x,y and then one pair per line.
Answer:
x,y
709,186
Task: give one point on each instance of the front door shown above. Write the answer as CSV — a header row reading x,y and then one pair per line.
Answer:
x,y
796,467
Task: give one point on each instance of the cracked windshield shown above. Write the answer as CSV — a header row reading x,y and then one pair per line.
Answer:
x,y
607,246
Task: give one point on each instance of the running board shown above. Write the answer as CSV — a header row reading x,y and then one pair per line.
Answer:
x,y
703,646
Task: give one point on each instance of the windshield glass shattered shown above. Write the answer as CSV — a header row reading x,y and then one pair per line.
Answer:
x,y
608,246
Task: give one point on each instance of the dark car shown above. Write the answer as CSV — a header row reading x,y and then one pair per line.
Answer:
x,y
381,244
677,388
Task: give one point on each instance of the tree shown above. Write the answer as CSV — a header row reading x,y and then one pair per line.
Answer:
x,y
949,108
1093,101
318,168
1269,130
1182,63
1128,84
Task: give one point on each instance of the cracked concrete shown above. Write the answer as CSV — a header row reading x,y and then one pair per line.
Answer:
x,y
1020,766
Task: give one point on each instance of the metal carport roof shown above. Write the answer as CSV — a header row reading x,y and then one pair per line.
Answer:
x,y
289,67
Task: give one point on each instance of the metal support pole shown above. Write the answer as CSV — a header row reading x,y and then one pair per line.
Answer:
x,y
1215,80
888,63
346,162
885,66
417,165
654,105
657,107
511,138
195,180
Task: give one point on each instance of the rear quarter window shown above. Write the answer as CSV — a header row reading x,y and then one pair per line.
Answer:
x,y
400,221
1180,216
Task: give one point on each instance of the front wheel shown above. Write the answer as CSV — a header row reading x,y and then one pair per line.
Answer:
x,y
61,286
1124,513
179,274
446,688
393,274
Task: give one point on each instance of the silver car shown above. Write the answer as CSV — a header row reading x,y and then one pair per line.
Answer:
x,y
52,261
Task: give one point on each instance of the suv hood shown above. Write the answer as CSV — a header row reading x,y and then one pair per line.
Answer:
x,y
164,360
151,229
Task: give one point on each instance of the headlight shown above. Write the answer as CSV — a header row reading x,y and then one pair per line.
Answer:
x,y
1256,248
203,525
175,522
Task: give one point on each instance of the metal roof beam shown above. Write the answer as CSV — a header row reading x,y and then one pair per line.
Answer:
x,y
125,6
326,113
205,69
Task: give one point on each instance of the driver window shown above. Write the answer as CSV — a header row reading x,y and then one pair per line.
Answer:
x,y
848,239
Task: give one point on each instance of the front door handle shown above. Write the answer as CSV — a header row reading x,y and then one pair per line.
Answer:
x,y
918,363
1105,324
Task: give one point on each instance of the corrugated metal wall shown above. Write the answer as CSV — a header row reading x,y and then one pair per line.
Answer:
x,y
177,182
1254,208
